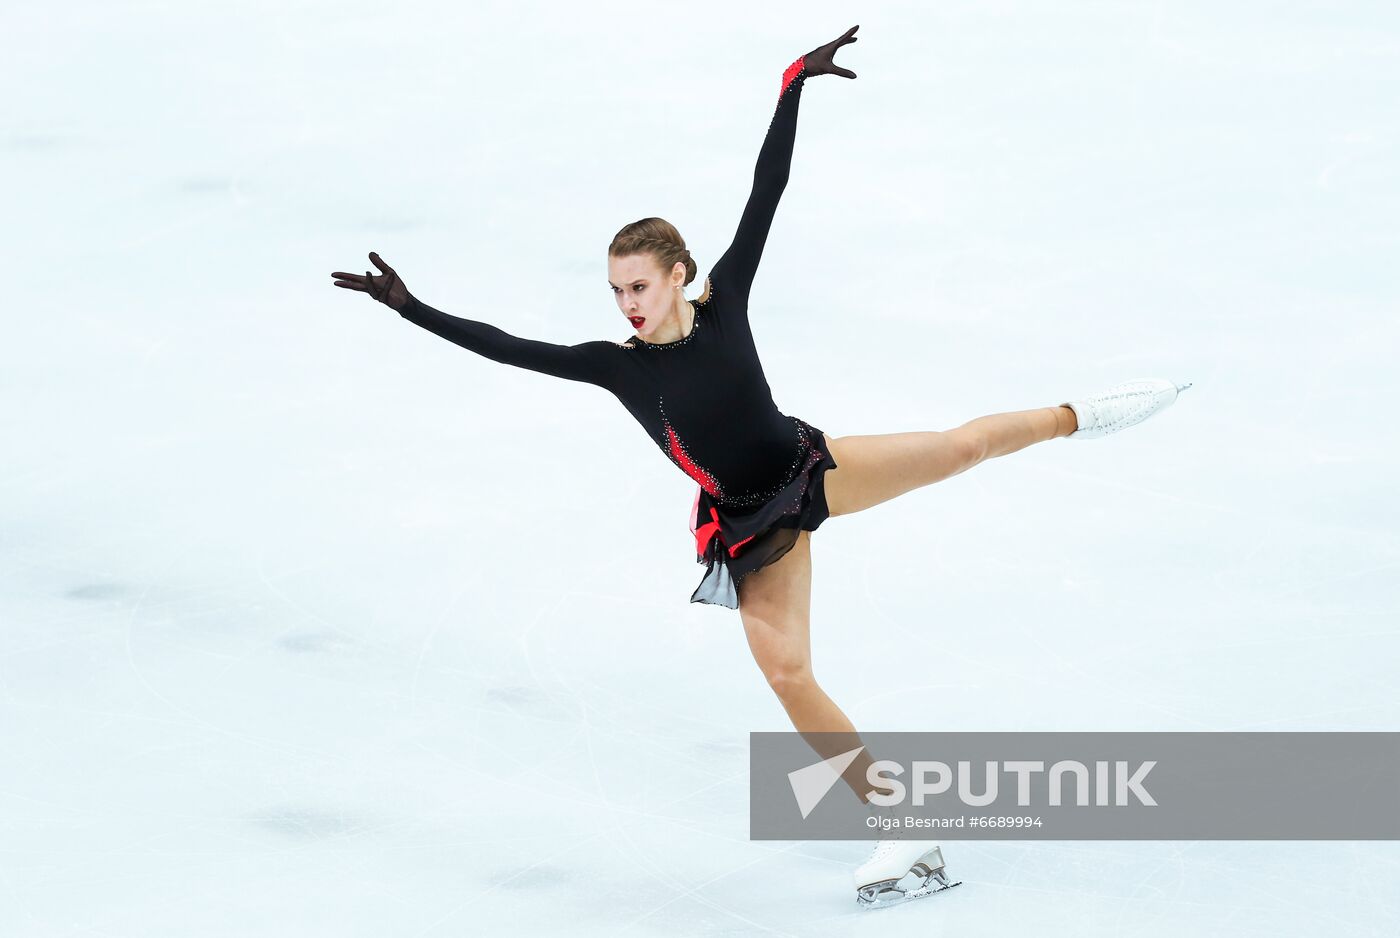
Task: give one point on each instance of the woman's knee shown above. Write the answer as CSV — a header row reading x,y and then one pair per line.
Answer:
x,y
789,679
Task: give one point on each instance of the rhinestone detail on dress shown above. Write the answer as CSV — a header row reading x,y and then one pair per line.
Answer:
x,y
795,75
700,308
805,448
676,450
797,71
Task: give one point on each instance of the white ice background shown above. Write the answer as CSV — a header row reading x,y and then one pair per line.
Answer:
x,y
312,623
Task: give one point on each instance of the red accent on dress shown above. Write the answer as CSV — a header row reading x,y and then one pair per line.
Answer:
x,y
790,73
678,453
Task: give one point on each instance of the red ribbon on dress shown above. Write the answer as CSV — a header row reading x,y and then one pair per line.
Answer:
x,y
706,531
712,529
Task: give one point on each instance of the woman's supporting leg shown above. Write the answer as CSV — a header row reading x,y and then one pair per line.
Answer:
x,y
775,604
875,468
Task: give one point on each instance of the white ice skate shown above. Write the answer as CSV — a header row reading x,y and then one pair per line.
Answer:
x,y
1122,406
878,879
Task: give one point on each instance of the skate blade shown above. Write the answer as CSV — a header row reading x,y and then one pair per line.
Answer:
x,y
885,894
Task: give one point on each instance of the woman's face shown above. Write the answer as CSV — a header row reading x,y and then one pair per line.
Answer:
x,y
644,294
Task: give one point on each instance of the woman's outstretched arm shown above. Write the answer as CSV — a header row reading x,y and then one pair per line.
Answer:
x,y
735,269
586,361
589,361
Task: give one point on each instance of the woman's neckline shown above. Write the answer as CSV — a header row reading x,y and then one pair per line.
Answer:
x,y
694,320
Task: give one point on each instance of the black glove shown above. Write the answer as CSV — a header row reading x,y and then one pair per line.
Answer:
x,y
818,61
387,288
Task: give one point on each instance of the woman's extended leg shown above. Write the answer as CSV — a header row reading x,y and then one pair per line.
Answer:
x,y
775,604
875,468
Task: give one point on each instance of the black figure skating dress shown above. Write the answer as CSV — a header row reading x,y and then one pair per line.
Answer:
x,y
704,398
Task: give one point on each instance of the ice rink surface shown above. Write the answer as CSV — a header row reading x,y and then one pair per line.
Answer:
x,y
316,624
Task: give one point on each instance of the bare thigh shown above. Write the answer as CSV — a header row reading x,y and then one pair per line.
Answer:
x,y
775,604
875,468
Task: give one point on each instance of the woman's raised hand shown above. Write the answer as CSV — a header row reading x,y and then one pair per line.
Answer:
x,y
387,288
818,61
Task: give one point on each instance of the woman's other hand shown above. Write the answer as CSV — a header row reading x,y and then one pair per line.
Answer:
x,y
387,288
818,61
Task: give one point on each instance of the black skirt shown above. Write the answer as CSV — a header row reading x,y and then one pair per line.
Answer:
x,y
734,542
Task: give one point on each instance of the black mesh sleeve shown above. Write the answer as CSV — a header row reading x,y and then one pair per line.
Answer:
x,y
590,362
736,267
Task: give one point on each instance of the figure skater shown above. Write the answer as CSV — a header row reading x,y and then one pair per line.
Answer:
x,y
691,376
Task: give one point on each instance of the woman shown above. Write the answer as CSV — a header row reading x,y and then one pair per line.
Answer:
x,y
764,480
